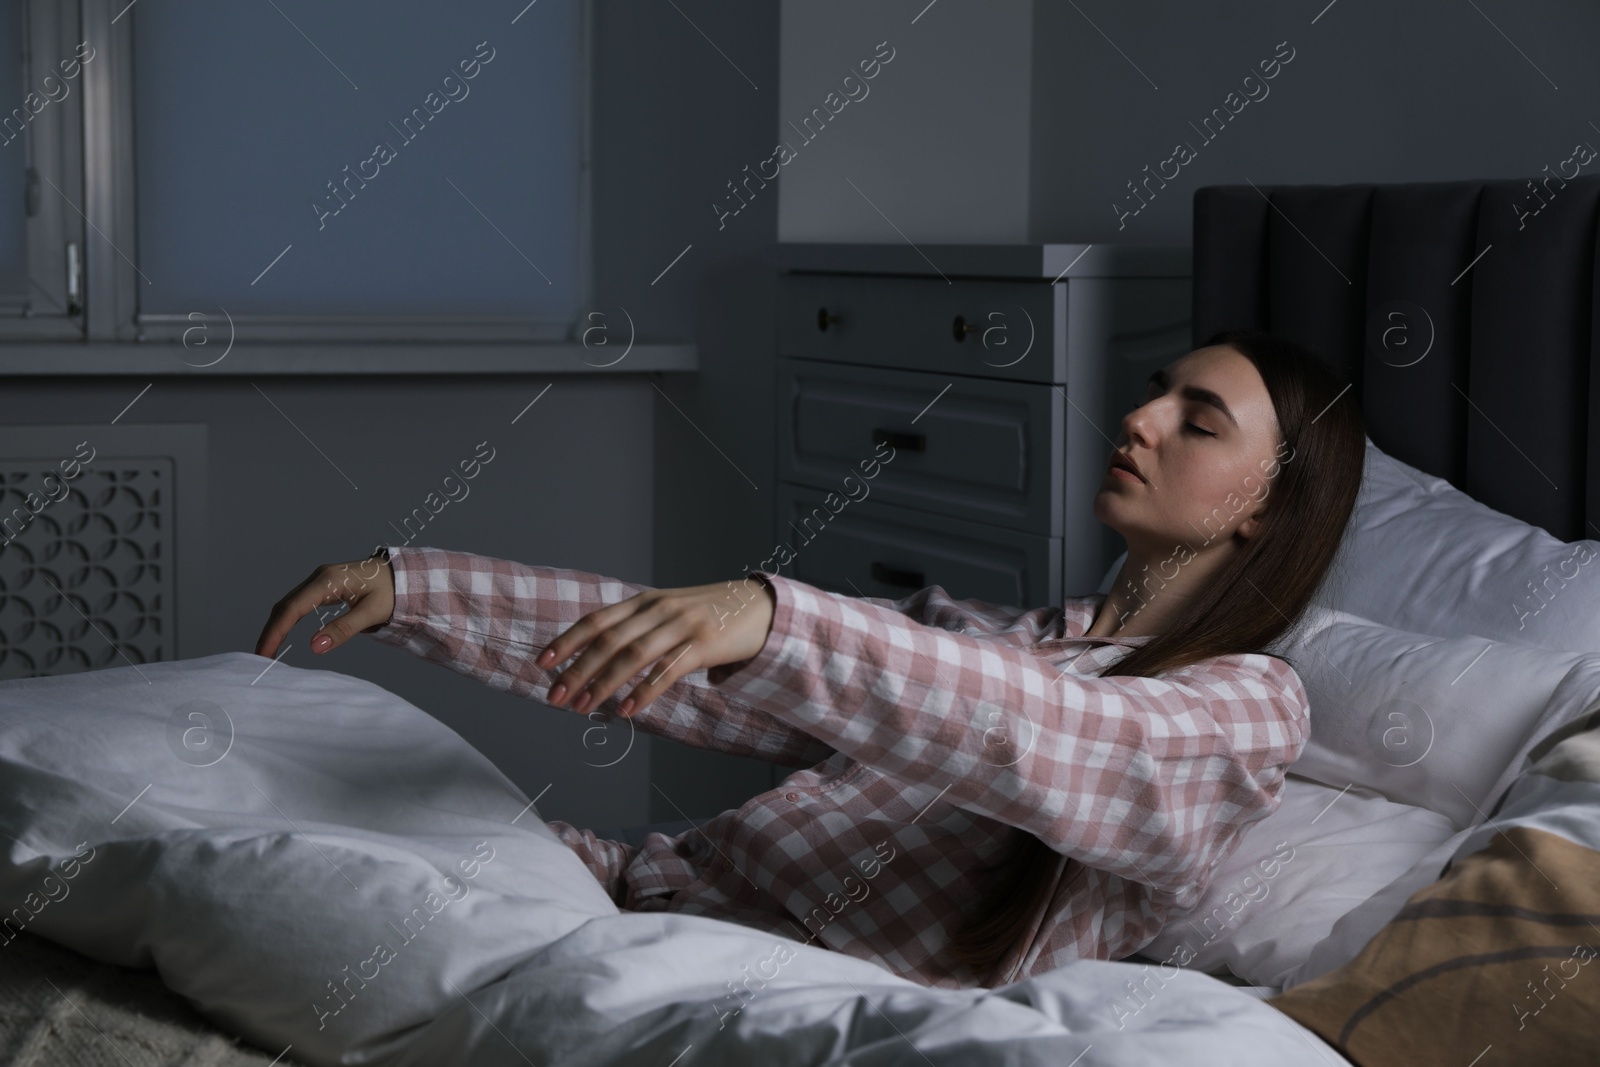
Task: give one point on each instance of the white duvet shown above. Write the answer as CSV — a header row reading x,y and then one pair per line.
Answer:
x,y
315,863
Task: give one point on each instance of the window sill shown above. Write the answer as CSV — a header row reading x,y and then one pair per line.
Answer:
x,y
375,358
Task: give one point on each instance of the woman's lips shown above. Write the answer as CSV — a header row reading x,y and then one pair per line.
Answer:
x,y
1120,460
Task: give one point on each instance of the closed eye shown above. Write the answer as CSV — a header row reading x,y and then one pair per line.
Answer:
x,y
1152,390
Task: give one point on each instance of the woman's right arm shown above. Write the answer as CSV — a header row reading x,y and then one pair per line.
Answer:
x,y
490,618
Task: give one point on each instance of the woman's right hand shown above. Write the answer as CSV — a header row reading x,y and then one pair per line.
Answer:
x,y
367,585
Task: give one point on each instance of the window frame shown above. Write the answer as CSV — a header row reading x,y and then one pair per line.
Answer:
x,y
53,145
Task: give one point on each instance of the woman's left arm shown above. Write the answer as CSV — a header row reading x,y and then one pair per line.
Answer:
x,y
1147,778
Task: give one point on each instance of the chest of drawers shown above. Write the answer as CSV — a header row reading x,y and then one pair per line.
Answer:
x,y
945,413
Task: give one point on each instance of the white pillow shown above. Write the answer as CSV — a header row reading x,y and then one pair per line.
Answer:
x,y
256,833
1358,926
1442,723
1421,555
1322,853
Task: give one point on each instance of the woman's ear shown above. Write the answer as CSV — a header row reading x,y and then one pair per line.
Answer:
x,y
1251,525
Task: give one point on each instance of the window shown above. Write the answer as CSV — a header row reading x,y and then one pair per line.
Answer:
x,y
368,171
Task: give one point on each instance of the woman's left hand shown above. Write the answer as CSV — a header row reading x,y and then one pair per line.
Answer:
x,y
675,630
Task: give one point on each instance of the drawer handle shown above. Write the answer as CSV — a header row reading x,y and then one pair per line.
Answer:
x,y
823,319
900,442
962,327
882,572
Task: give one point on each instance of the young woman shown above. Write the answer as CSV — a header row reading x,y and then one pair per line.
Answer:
x,y
984,792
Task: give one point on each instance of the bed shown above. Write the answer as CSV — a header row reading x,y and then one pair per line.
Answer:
x,y
402,902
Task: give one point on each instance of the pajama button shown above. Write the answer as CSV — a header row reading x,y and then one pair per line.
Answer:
x,y
792,796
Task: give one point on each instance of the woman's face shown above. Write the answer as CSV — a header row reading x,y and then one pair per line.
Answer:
x,y
1206,441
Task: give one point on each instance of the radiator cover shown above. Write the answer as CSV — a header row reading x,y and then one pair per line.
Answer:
x,y
100,561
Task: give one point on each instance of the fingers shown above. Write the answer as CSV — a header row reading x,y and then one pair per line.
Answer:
x,y
615,655
353,583
328,584
608,651
285,613
579,634
363,613
659,680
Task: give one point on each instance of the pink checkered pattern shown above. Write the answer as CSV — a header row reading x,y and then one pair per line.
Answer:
x,y
927,731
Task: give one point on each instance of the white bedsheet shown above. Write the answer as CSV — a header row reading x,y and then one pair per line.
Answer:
x,y
257,837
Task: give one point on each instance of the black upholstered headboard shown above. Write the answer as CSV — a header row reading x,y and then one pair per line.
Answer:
x,y
1463,314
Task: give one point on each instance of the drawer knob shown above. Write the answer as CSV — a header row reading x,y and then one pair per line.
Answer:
x,y
961,327
882,572
900,442
824,319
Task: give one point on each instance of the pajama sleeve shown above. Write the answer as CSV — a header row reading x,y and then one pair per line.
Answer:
x,y
490,619
607,860
1149,779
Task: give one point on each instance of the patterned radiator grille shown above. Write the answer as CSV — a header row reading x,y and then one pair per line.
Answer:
x,y
87,574
88,560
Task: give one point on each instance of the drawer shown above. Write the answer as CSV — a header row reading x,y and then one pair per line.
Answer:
x,y
1014,330
989,451
868,548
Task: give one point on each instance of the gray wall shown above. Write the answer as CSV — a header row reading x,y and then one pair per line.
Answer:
x,y
937,148
676,121
1425,90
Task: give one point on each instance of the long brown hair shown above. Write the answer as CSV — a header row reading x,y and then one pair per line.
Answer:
x,y
1252,600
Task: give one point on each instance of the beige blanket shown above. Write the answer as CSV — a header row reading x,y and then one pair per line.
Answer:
x,y
1493,963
